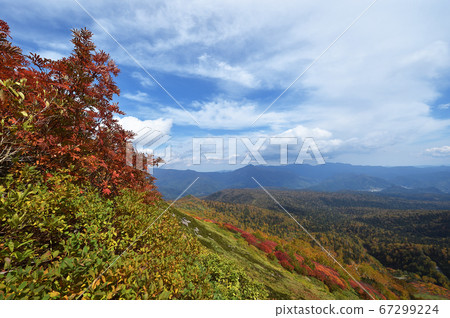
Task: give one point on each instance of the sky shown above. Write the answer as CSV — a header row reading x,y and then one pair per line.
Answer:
x,y
369,89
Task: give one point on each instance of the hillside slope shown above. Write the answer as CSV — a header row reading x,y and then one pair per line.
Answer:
x,y
229,229
63,240
402,233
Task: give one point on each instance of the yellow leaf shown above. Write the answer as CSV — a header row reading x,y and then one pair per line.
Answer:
x,y
53,294
96,283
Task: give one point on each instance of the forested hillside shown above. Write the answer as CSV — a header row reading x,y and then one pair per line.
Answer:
x,y
393,265
404,234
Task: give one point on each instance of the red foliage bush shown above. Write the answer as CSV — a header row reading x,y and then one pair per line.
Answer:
x,y
287,265
282,256
232,228
300,259
329,276
284,260
300,267
267,246
354,284
305,269
250,238
367,287
271,244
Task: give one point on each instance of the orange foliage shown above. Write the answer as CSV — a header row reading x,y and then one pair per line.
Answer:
x,y
299,258
328,276
232,228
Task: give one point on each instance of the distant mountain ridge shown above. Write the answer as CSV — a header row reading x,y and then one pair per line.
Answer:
x,y
330,177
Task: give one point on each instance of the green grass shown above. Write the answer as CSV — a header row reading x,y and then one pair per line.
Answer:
x,y
281,283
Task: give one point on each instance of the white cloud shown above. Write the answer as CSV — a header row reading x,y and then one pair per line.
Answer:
x,y
303,132
53,55
140,97
143,79
210,67
443,151
151,136
323,138
444,106
138,126
222,114
54,50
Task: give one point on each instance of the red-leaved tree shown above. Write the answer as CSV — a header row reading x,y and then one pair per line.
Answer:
x,y
60,115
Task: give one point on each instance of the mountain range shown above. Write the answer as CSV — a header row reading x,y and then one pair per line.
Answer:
x,y
330,177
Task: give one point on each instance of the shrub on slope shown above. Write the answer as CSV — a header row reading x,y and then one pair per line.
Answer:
x,y
58,237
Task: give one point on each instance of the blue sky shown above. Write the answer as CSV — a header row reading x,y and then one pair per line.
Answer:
x,y
379,96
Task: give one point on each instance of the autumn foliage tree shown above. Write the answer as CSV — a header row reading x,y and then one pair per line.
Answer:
x,y
60,115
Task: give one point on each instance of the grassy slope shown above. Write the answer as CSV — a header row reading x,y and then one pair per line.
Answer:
x,y
281,283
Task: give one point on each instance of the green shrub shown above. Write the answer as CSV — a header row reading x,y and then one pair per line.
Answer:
x,y
231,282
58,237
